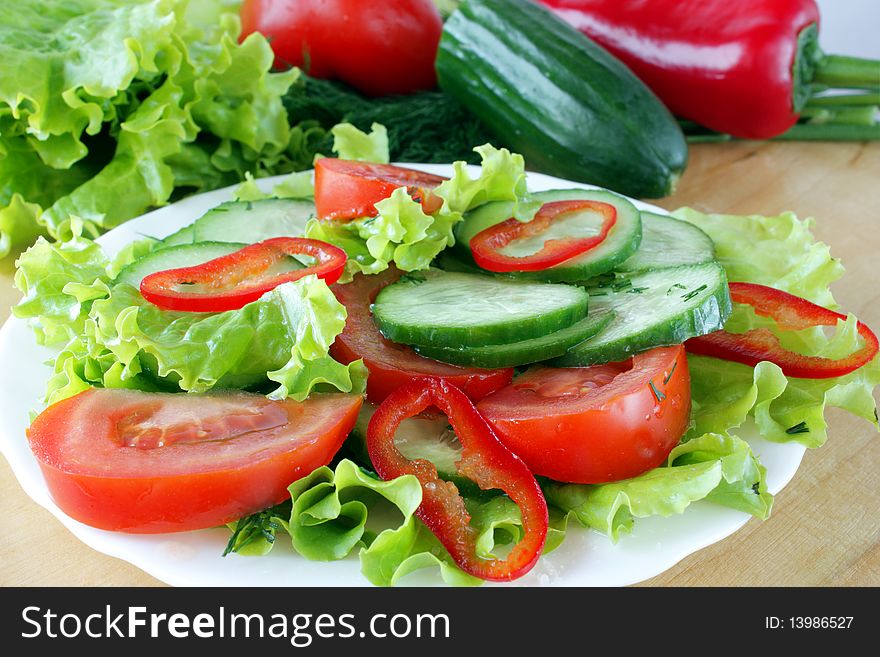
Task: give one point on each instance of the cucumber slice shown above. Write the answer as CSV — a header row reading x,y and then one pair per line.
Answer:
x,y
524,352
247,222
669,242
183,236
420,437
653,309
449,309
621,243
254,221
173,257
449,260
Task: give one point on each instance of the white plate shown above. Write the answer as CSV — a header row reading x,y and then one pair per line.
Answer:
x,y
193,558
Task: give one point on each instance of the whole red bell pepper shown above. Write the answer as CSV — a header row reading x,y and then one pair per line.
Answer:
x,y
742,67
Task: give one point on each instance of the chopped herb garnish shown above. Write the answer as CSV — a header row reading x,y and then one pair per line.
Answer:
x,y
671,372
621,284
756,487
636,290
677,286
598,294
604,280
800,427
415,279
249,206
690,295
657,393
247,530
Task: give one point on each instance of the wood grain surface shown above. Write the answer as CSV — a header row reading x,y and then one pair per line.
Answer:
x,y
825,527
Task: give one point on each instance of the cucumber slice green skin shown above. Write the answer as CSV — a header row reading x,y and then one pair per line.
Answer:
x,y
671,306
449,260
621,243
525,352
449,309
247,222
669,242
174,257
183,236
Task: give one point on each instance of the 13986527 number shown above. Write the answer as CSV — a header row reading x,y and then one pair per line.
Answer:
x,y
820,622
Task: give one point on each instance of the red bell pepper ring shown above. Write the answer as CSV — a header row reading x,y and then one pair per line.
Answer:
x,y
484,459
486,245
235,280
791,313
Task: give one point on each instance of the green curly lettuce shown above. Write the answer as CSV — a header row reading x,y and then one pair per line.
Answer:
x,y
780,252
332,508
129,103
43,275
283,337
329,518
404,234
716,467
349,143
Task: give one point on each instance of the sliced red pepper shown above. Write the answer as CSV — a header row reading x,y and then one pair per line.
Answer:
x,y
484,459
791,313
235,280
486,245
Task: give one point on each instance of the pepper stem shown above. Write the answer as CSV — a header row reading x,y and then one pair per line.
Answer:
x,y
847,72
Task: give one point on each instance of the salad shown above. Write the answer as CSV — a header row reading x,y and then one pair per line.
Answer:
x,y
496,365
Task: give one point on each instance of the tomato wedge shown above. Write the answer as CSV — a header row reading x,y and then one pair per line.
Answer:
x,y
141,462
595,424
488,245
484,459
391,365
791,313
235,280
346,190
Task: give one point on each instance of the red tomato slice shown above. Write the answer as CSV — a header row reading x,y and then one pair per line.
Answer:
x,y
141,462
595,424
392,365
347,190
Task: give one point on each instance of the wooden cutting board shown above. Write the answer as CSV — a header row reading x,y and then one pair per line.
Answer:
x,y
825,527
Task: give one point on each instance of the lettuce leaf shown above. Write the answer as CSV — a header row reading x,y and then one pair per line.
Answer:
x,y
780,252
785,409
43,273
402,233
717,467
502,178
329,521
57,87
127,104
282,337
112,337
353,144
337,511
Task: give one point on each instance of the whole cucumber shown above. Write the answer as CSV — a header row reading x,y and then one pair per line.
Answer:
x,y
550,93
